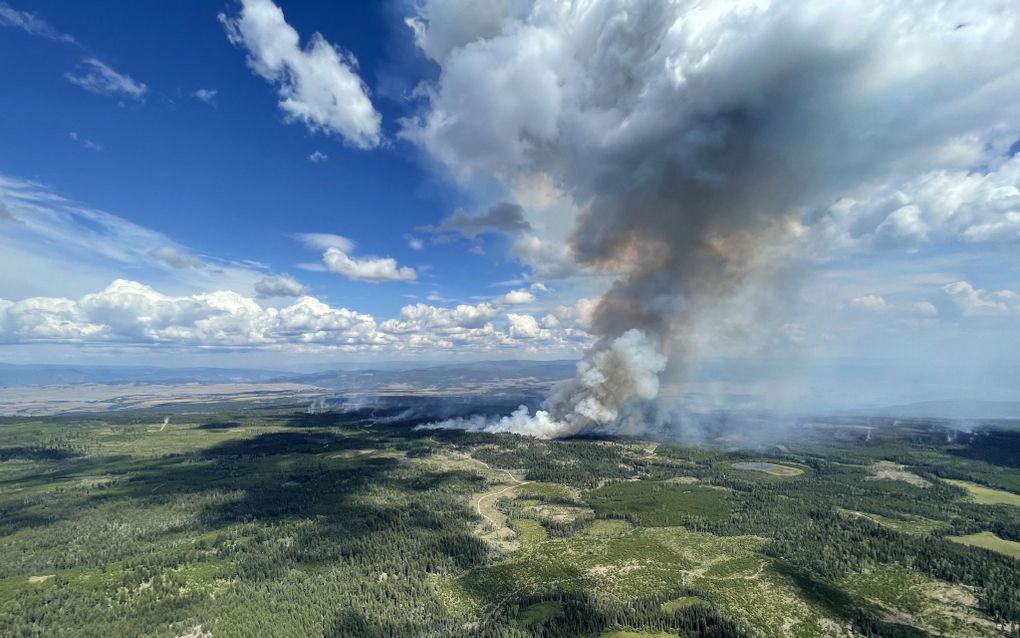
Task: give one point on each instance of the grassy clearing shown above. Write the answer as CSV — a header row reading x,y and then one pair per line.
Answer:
x,y
529,531
547,513
607,527
454,599
986,495
177,438
773,469
661,504
895,472
917,525
524,503
548,492
990,541
626,633
681,603
540,613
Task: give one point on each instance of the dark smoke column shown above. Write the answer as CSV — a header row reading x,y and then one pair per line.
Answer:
x,y
700,143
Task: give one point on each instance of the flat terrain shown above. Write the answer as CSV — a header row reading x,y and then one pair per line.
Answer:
x,y
897,472
986,495
990,541
259,519
774,469
90,397
906,524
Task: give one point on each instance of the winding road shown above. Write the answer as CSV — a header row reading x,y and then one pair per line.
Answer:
x,y
486,501
495,494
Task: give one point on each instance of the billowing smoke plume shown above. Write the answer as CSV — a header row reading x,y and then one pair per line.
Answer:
x,y
705,144
626,368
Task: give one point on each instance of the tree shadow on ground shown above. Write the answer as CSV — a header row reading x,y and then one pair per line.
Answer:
x,y
36,453
257,510
1000,448
220,425
865,617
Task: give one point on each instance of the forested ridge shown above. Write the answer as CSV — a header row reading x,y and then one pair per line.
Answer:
x,y
269,522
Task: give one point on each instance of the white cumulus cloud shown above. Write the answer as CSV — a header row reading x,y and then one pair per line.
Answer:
x,y
939,207
175,258
318,84
129,313
372,269
517,297
280,286
870,302
974,301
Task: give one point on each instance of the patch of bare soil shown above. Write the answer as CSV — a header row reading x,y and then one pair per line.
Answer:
x,y
896,472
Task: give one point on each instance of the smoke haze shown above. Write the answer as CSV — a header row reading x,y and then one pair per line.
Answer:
x,y
704,147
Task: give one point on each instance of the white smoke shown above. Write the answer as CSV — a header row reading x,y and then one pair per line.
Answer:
x,y
540,425
701,142
628,368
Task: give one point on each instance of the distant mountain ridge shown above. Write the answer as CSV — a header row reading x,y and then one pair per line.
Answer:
x,y
445,374
962,409
14,375
344,376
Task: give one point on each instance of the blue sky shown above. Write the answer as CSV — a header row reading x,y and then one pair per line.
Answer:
x,y
227,177
278,183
